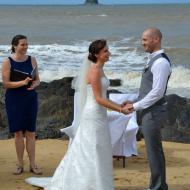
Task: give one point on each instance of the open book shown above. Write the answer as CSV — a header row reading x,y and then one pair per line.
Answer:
x,y
17,75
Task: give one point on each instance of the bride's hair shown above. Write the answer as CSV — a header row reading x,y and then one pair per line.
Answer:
x,y
95,48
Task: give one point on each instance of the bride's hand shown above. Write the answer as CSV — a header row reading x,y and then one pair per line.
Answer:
x,y
129,107
125,111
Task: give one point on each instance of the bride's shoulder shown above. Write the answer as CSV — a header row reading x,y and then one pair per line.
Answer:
x,y
95,70
94,74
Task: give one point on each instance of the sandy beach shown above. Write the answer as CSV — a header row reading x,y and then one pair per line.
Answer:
x,y
134,176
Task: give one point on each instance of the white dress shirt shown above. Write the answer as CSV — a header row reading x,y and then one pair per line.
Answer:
x,y
160,69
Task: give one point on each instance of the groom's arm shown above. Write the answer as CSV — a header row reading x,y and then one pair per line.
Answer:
x,y
160,70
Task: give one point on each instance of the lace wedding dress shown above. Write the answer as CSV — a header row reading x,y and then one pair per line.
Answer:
x,y
87,164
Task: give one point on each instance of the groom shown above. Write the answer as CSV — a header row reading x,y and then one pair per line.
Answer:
x,y
151,105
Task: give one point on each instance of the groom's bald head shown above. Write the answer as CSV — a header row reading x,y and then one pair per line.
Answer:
x,y
151,40
153,33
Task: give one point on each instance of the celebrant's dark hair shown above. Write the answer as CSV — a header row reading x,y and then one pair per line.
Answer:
x,y
15,41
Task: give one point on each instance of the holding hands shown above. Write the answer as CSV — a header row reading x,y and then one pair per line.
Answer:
x,y
127,107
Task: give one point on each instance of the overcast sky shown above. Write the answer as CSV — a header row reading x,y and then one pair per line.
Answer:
x,y
82,1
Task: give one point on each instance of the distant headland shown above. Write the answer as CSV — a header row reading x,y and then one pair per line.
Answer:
x,y
91,2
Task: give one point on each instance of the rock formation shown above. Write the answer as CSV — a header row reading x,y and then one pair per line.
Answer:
x,y
91,2
56,111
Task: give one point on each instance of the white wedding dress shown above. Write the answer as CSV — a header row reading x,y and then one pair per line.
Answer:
x,y
87,165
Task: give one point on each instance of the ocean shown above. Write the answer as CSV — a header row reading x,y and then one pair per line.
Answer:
x,y
59,37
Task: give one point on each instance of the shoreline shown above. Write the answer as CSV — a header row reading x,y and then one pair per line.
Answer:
x,y
135,176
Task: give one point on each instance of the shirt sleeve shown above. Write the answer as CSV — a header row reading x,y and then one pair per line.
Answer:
x,y
161,70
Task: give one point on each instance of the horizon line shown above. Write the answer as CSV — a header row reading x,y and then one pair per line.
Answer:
x,y
157,3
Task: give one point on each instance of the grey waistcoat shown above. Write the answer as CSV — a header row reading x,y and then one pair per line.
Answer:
x,y
147,80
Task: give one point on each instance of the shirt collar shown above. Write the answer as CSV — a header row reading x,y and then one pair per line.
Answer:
x,y
150,56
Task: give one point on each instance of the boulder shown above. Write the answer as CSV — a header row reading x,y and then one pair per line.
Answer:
x,y
115,82
177,128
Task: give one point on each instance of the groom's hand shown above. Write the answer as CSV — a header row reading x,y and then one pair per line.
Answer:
x,y
129,106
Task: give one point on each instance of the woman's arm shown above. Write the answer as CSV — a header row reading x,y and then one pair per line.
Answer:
x,y
95,80
35,82
6,77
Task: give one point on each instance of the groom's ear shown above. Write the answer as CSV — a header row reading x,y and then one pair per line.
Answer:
x,y
156,39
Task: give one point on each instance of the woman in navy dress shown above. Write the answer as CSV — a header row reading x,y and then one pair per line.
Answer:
x,y
21,101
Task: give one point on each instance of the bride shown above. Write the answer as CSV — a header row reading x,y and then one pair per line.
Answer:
x,y
87,164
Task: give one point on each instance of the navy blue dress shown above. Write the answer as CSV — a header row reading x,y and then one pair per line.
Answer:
x,y
21,104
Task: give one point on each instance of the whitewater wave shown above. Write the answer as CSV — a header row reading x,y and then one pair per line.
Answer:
x,y
62,60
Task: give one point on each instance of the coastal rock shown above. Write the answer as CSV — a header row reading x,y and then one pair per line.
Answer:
x,y
91,2
56,112
115,82
177,128
55,109
3,118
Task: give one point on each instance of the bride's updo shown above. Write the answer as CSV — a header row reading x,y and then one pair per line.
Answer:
x,y
95,48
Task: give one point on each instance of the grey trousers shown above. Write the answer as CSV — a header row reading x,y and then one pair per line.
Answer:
x,y
152,123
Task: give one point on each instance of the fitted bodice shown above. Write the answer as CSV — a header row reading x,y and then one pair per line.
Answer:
x,y
91,105
105,84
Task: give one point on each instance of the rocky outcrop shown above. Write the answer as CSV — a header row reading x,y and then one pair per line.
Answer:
x,y
3,117
115,82
177,128
56,111
91,2
55,108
